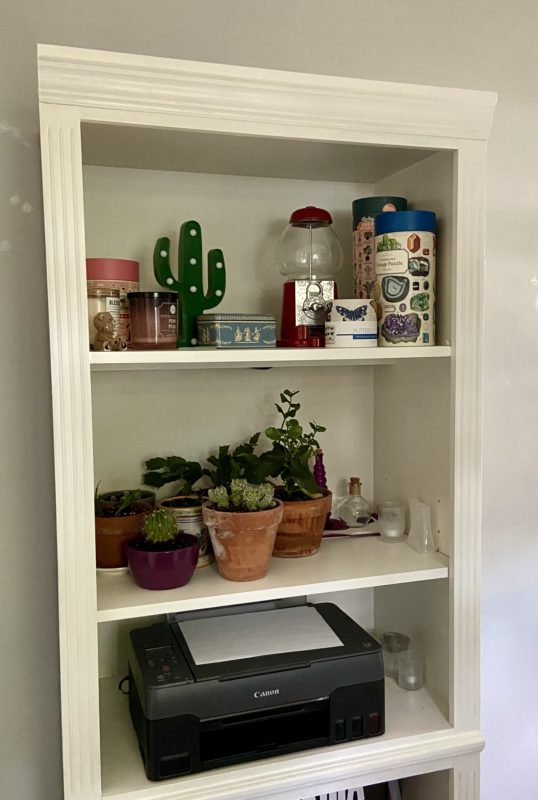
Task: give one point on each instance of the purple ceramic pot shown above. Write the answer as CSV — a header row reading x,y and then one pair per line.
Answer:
x,y
163,569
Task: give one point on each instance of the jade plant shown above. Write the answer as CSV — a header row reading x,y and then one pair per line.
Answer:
x,y
293,448
242,496
159,527
189,281
224,465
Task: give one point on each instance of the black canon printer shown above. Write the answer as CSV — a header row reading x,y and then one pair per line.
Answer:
x,y
214,688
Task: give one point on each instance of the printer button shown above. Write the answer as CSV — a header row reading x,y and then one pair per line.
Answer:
x,y
339,730
374,723
167,668
357,728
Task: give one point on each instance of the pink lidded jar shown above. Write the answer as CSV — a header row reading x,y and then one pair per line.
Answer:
x,y
115,273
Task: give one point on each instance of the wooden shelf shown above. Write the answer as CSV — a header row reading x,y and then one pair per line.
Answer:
x,y
416,730
204,358
341,564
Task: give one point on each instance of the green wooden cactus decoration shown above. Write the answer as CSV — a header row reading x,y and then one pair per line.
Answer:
x,y
189,283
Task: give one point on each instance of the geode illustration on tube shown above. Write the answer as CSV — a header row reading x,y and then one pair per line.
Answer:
x,y
395,287
420,302
419,266
398,328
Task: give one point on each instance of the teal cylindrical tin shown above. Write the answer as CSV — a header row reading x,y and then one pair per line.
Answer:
x,y
405,244
365,209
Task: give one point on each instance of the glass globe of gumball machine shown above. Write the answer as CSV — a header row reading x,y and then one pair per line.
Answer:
x,y
309,254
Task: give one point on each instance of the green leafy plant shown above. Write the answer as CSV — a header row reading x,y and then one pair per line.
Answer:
x,y
292,450
224,466
159,527
243,496
173,468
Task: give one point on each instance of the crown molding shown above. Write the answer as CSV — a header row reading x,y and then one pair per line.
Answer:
x,y
93,79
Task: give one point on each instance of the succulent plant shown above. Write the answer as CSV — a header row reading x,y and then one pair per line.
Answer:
x,y
219,496
159,526
243,496
121,505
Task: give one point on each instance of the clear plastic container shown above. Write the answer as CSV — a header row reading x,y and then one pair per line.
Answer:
x,y
421,536
410,670
393,644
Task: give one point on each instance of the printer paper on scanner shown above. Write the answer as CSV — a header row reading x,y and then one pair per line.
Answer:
x,y
258,633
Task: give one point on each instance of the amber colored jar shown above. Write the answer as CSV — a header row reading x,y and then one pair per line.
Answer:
x,y
153,320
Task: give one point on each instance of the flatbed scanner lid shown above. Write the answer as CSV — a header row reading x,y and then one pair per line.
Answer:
x,y
226,647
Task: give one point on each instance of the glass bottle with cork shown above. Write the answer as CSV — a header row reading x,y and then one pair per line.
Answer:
x,y
355,510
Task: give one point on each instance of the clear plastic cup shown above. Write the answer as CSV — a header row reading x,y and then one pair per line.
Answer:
x,y
410,670
393,644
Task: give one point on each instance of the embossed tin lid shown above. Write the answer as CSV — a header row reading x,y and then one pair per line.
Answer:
x,y
230,317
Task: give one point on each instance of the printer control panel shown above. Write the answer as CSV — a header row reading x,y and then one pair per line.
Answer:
x,y
164,666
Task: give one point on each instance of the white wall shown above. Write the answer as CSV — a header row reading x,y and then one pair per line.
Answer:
x,y
483,44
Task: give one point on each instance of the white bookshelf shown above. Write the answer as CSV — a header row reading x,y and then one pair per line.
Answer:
x,y
133,145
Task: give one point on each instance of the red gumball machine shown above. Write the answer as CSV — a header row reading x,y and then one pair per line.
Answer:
x,y
309,255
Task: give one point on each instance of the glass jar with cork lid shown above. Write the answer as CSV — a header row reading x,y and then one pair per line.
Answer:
x,y
355,510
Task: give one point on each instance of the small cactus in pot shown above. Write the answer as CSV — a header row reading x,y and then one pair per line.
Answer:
x,y
159,528
161,557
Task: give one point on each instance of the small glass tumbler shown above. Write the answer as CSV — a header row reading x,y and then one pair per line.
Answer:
x,y
153,320
392,521
410,670
393,645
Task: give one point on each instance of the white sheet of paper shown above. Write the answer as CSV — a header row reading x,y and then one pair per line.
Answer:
x,y
258,633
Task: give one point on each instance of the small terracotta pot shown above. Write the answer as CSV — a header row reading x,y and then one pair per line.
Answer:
x,y
111,536
243,541
303,522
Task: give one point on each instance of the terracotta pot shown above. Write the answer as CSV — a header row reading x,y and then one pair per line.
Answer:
x,y
187,509
303,522
111,536
163,569
243,541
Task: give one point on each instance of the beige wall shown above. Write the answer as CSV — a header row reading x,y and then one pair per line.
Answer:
x,y
482,44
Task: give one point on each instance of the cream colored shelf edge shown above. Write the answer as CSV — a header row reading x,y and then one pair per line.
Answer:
x,y
198,358
416,730
341,564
